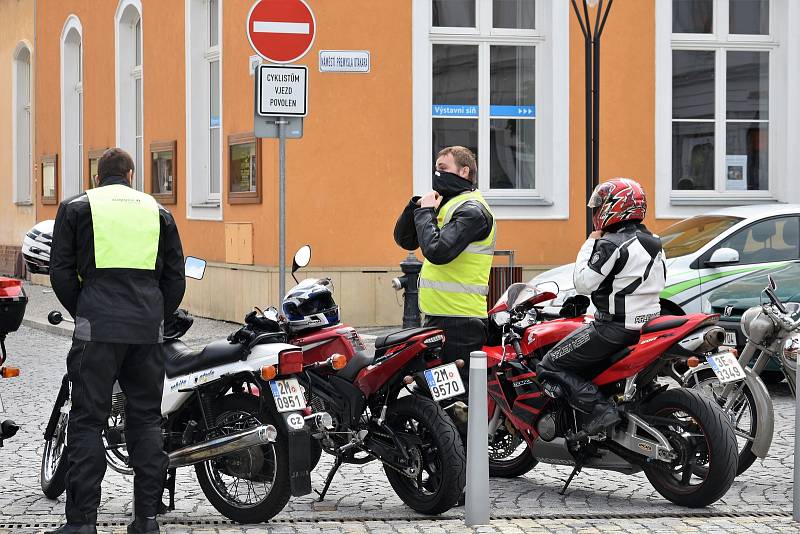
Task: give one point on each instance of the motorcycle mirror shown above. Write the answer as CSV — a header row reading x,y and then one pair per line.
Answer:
x,y
302,257
772,285
194,267
55,317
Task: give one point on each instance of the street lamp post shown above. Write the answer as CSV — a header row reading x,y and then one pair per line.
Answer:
x,y
591,40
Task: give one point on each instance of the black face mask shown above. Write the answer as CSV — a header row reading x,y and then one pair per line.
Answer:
x,y
448,184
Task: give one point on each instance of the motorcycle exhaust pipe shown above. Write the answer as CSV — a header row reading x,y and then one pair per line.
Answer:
x,y
704,340
214,448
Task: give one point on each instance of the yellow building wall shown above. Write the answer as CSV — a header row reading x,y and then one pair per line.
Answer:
x,y
16,26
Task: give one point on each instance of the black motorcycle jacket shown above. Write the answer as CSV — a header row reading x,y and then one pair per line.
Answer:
x,y
624,272
114,305
416,228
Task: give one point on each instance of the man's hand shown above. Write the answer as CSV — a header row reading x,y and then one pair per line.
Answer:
x,y
597,234
431,199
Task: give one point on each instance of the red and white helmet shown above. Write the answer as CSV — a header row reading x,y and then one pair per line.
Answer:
x,y
617,200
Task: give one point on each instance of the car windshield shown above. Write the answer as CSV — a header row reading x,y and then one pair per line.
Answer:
x,y
690,235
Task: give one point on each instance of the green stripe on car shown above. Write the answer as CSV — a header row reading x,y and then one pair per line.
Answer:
x,y
680,287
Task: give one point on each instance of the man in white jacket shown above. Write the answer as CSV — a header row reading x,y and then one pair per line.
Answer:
x,y
622,267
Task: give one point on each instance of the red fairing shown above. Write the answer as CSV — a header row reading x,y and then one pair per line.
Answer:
x,y
549,333
319,345
650,347
373,377
502,304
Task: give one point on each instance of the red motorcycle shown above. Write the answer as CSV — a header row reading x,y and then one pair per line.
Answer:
x,y
12,309
680,439
374,415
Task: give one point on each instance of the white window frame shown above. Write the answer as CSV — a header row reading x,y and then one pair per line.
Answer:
x,y
128,13
550,199
71,185
201,203
22,167
784,113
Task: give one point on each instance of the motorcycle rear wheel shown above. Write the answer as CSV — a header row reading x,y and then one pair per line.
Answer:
x,y
271,462
703,436
441,455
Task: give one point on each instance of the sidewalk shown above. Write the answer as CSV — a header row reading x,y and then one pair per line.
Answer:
x,y
42,300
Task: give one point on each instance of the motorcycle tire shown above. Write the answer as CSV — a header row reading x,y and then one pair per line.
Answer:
x,y
720,444
513,468
746,455
450,459
280,491
53,471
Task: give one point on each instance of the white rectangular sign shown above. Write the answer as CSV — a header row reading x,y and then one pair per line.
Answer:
x,y
344,61
282,91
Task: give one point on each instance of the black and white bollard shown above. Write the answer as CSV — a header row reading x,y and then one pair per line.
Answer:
x,y
477,497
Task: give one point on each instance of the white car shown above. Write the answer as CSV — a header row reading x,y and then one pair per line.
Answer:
x,y
711,250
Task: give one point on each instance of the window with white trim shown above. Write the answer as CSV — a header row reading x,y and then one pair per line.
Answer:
x,y
71,108
130,98
494,85
204,114
22,125
721,100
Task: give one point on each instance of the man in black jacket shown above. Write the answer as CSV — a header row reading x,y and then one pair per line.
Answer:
x,y
116,265
455,229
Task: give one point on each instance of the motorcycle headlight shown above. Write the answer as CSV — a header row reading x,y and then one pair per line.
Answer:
x,y
790,351
562,296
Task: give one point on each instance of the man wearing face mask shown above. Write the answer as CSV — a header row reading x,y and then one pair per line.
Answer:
x,y
456,231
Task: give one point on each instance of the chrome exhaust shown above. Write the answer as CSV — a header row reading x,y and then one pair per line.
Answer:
x,y
214,448
703,340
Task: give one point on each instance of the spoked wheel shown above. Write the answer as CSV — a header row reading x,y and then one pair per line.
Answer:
x,y
742,413
704,444
433,482
53,472
509,454
251,485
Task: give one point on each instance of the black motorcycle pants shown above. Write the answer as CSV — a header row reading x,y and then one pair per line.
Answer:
x,y
92,368
462,335
581,356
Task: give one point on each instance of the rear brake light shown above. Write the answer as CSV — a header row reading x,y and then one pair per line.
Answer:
x,y
290,362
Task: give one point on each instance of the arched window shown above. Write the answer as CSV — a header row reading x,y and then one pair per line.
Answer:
x,y
71,107
22,124
129,88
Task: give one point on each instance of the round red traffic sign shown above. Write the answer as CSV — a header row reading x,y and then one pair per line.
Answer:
x,y
281,31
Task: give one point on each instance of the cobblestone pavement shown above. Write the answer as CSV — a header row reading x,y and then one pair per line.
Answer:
x,y
361,499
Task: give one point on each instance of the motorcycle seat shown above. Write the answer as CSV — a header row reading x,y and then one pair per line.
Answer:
x,y
181,360
359,360
400,336
665,322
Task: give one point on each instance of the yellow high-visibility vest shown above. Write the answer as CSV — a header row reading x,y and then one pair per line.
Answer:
x,y
459,288
126,228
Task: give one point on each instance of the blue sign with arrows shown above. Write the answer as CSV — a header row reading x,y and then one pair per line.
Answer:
x,y
512,111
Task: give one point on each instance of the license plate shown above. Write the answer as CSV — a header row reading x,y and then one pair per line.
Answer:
x,y
726,367
444,381
730,339
288,395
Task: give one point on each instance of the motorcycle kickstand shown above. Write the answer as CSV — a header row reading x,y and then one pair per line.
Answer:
x,y
575,471
336,465
169,484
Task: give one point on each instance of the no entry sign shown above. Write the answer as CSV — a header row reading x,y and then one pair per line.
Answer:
x,y
281,31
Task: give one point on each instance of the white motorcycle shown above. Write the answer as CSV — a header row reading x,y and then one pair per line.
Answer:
x,y
232,409
771,331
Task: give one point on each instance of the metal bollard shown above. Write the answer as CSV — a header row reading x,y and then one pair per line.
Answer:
x,y
796,488
411,267
477,498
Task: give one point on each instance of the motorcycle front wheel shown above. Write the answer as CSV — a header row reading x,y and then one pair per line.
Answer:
x,y
703,440
251,485
440,461
509,455
53,471
743,414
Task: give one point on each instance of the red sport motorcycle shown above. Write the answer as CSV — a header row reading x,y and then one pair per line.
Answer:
x,y
374,415
681,440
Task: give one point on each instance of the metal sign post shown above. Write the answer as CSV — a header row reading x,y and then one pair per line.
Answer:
x,y
796,487
281,96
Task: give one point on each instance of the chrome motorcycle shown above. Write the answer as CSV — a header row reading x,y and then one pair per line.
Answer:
x,y
771,331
